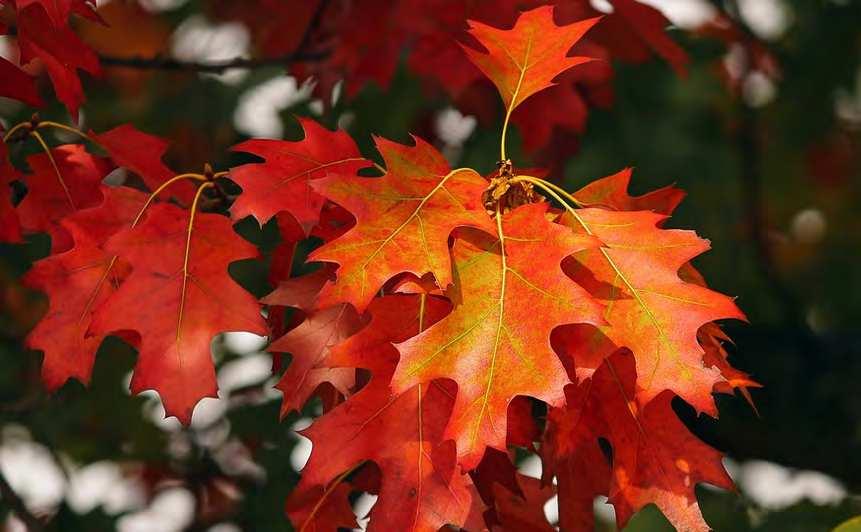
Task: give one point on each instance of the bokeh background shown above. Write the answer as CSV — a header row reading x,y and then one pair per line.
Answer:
x,y
767,151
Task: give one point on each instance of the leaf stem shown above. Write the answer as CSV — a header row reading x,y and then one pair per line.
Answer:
x,y
543,183
47,150
68,129
15,129
156,192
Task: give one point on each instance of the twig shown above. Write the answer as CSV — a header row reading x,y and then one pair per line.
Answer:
x,y
17,505
300,55
167,63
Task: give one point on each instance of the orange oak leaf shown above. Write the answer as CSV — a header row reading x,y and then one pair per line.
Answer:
x,y
177,298
309,343
611,192
54,193
511,293
525,59
283,181
649,309
421,488
77,282
404,220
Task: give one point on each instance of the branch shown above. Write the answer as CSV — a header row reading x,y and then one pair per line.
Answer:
x,y
17,505
167,63
300,55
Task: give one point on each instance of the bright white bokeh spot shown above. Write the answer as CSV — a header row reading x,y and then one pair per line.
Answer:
x,y
245,371
758,89
102,484
156,6
362,508
171,511
258,112
809,226
453,128
31,470
302,451
197,39
604,511
225,527
244,342
604,6
687,14
775,487
768,19
551,509
530,466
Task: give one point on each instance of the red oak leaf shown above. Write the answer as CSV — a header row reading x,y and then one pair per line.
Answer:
x,y
649,309
516,513
142,154
178,297
300,292
525,59
60,50
282,182
77,282
322,509
404,219
54,193
309,343
60,10
655,458
650,25
17,84
421,488
511,293
570,452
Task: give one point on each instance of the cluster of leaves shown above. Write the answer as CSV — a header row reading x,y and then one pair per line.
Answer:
x,y
453,316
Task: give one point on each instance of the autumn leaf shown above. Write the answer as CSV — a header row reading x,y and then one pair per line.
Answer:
x,y
177,298
611,192
525,59
655,458
283,181
649,309
142,153
59,49
523,513
64,182
421,487
309,343
404,220
322,509
77,282
650,24
511,293
18,85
